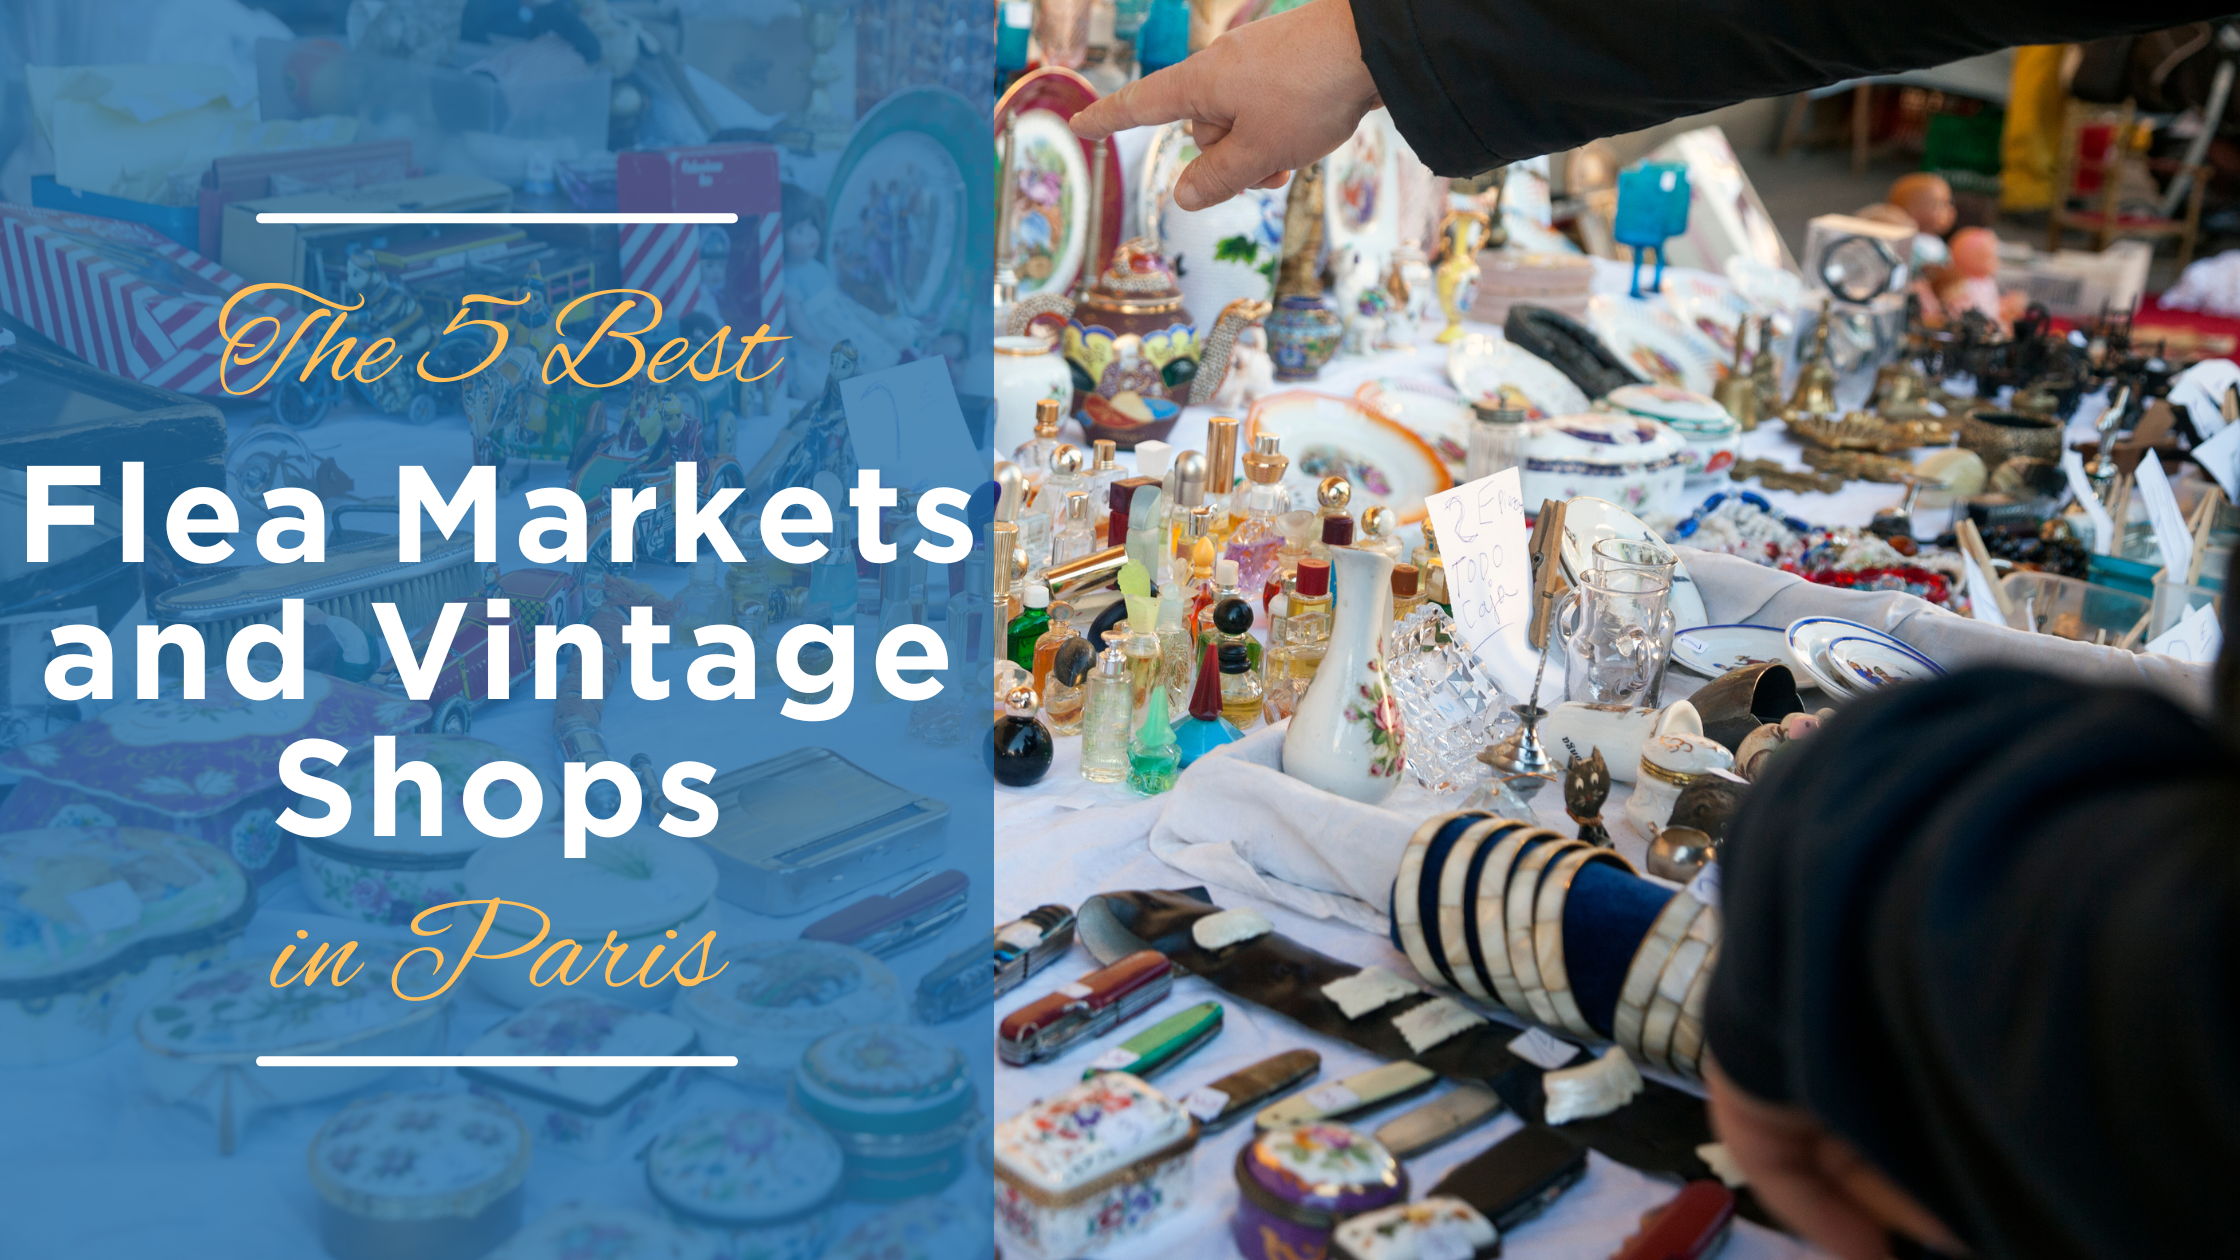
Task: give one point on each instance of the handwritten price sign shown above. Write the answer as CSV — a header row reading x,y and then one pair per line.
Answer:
x,y
1489,573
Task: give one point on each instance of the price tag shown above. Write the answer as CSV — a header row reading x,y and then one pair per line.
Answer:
x,y
1333,1098
1705,886
2221,456
1543,1051
1983,605
1444,1240
1076,991
106,907
1489,573
1117,1059
1020,935
2196,637
1206,1103
2170,532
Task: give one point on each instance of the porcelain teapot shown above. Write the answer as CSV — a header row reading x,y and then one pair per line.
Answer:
x,y
1131,332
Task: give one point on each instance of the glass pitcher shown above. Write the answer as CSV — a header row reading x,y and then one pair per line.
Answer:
x,y
1614,627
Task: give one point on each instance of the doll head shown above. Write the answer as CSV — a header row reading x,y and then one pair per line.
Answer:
x,y
1975,253
1927,198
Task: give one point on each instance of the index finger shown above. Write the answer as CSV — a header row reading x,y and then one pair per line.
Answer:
x,y
1168,96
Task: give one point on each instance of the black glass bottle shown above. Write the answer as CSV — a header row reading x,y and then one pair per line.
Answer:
x,y
1023,742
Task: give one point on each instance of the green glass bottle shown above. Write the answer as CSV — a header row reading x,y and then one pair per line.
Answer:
x,y
1028,627
1154,759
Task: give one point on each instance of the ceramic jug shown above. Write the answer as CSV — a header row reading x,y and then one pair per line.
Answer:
x,y
1347,736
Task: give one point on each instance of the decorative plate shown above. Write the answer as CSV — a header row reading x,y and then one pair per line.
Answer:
x,y
1324,434
1709,305
1651,341
1484,367
1051,184
1812,638
1589,521
1715,650
912,170
1429,409
1870,663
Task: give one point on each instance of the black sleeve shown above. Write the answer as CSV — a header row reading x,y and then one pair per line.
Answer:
x,y
1988,930
1476,83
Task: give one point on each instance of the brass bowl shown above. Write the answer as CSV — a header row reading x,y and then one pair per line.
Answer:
x,y
1998,436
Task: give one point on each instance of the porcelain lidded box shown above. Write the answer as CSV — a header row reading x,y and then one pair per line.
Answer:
x,y
758,1184
354,874
199,1042
586,1231
641,886
1105,1160
95,922
1713,436
432,1176
1438,1226
205,768
776,998
590,1111
1295,1185
1668,764
1636,463
899,1104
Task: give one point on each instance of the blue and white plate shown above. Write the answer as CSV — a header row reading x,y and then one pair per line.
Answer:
x,y
1715,650
1844,658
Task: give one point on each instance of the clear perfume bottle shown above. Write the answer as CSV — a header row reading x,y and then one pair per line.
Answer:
x,y
1306,621
1241,690
1380,532
1221,475
1076,536
1204,728
1153,757
1406,593
1072,668
1141,648
1067,474
1178,660
1033,455
1254,542
1107,719
1104,469
1431,573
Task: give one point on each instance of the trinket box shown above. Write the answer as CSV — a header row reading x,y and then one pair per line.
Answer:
x,y
95,922
758,1184
1668,764
775,999
1085,1009
354,874
640,886
425,1175
583,1231
1638,464
205,768
1023,946
899,1105
592,1111
1295,1185
1714,438
1436,1227
809,827
892,922
200,1040
1105,1160
1163,1044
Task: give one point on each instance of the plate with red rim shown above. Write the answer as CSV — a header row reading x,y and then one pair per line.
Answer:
x,y
1654,343
1051,183
1324,434
1430,409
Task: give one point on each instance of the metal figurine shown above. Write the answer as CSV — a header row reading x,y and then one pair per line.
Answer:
x,y
1586,785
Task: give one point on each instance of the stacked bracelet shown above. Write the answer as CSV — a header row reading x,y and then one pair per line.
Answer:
x,y
1547,933
1524,891
1640,984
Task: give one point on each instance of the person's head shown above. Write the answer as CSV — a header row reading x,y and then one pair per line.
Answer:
x,y
1975,252
804,220
1927,198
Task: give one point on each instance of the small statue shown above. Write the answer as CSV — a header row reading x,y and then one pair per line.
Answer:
x,y
1299,273
1463,232
1765,371
1586,785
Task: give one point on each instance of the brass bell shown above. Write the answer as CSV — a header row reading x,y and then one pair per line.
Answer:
x,y
1736,391
1816,379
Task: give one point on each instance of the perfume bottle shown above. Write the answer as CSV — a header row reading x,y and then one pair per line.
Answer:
x,y
1331,496
1146,536
1141,648
1186,493
1200,587
1153,757
1407,595
1221,475
1072,667
1241,692
1116,512
1256,539
1104,469
1337,531
1204,728
1431,573
1105,723
1027,627
1380,532
1076,536
1301,528
1046,646
1223,585
1066,476
1024,745
1229,622
1033,455
1177,658
1306,620
1496,441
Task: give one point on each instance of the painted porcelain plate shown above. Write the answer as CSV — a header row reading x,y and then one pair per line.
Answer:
x,y
1589,521
1812,642
1051,184
1429,409
1708,305
1653,343
1866,664
1325,434
902,217
1715,650
1485,367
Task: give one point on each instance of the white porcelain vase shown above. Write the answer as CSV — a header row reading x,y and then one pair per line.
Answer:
x,y
1347,736
1027,370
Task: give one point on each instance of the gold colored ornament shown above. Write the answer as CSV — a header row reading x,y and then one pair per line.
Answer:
x,y
1816,379
1860,465
1299,274
1773,476
1735,391
1462,232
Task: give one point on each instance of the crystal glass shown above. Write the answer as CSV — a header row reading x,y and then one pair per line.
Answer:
x,y
1451,704
1648,556
1613,629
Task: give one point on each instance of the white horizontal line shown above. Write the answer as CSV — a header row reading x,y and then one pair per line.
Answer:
x,y
371,218
497,1060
